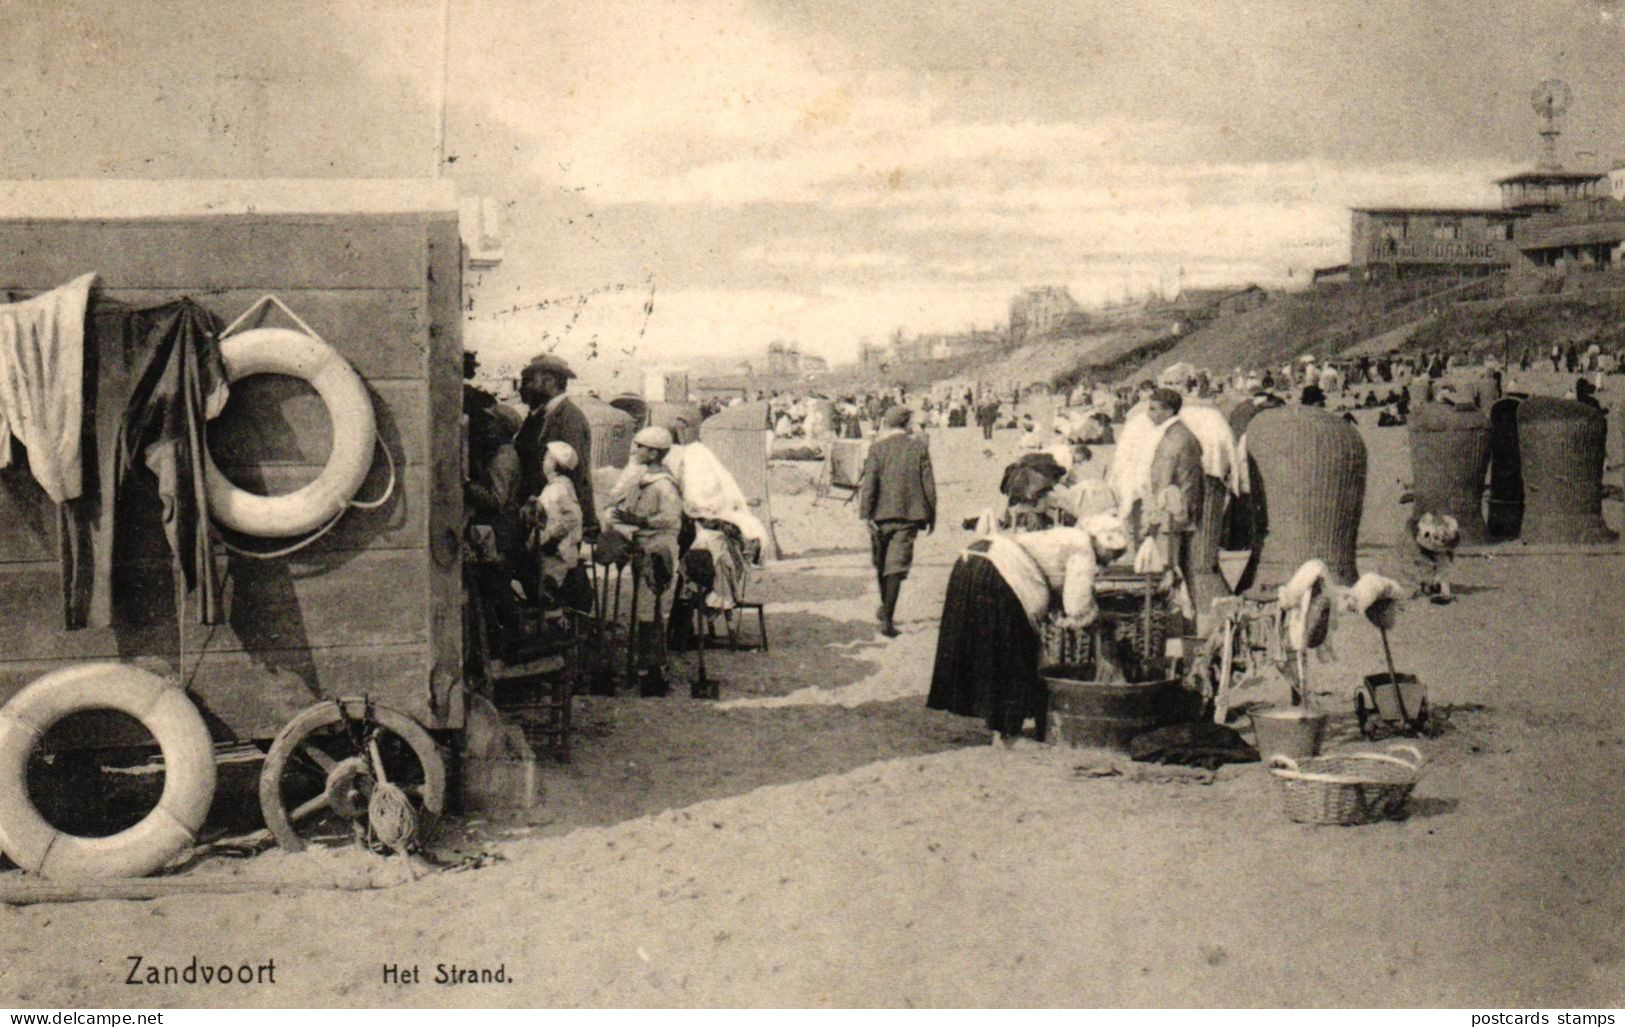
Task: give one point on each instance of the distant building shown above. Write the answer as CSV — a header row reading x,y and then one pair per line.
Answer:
x,y
914,349
1550,218
785,360
1550,188
1404,242
1196,299
723,387
1584,236
665,385
1045,312
1576,219
949,345
910,349
1249,298
782,359
1201,304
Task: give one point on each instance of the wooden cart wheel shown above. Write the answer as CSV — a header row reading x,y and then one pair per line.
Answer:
x,y
324,768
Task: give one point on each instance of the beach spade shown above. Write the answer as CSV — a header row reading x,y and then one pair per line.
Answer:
x,y
1393,698
703,686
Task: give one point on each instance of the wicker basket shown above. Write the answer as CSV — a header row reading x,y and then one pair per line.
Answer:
x,y
1347,788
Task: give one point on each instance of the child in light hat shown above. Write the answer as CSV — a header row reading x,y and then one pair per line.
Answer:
x,y
556,511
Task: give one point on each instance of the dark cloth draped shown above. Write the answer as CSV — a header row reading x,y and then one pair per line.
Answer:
x,y
987,651
149,373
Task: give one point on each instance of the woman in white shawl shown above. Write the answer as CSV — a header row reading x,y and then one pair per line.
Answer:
x,y
1001,589
716,505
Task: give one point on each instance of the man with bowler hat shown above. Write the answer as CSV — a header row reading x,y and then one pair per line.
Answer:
x,y
553,418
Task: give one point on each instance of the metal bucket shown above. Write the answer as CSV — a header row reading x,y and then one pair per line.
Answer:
x,y
1288,731
1397,702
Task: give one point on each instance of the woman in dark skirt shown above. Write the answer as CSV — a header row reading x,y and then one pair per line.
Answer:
x,y
988,647
987,650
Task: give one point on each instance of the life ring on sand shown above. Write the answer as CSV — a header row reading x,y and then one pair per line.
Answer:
x,y
289,352
189,774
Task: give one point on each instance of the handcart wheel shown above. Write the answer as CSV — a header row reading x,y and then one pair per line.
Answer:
x,y
350,770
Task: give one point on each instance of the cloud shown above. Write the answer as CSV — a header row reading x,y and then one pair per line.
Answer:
x,y
814,255
821,174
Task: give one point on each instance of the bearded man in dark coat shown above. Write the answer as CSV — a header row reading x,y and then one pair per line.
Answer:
x,y
1177,481
553,418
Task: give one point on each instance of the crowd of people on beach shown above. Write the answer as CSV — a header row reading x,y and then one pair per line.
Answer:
x,y
535,521
675,515
1178,467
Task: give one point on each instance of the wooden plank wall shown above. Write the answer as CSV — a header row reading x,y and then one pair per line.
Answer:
x,y
374,606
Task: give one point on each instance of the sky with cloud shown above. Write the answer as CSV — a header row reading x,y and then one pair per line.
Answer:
x,y
825,171
683,177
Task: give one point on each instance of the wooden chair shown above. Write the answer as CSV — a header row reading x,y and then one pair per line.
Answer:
x,y
840,470
537,693
705,620
734,619
761,623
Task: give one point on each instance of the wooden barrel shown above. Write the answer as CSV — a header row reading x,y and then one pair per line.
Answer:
x,y
1450,452
1107,714
1310,487
1560,448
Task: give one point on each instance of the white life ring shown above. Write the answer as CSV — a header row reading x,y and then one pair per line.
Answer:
x,y
285,351
189,774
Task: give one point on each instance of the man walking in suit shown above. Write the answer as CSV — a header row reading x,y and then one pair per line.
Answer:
x,y
897,496
1177,484
553,418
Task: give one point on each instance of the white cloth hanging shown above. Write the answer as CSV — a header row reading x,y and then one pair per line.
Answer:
x,y
42,364
1130,473
1220,458
710,491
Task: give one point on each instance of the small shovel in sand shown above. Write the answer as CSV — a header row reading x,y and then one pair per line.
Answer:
x,y
1396,699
